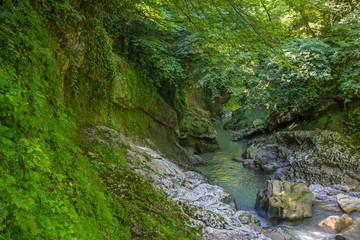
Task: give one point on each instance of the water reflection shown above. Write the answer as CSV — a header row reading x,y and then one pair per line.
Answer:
x,y
242,184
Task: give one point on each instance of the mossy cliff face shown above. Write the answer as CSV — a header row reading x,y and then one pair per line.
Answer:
x,y
197,132
55,79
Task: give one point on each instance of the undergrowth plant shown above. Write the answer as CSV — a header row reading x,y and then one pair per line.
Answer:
x,y
49,187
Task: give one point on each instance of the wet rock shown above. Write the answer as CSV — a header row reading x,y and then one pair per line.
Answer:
x,y
337,223
353,231
348,203
268,158
278,234
247,218
284,200
271,153
271,167
249,163
344,222
339,237
326,196
239,160
196,160
245,133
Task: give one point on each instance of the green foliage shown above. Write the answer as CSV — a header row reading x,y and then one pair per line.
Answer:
x,y
353,122
280,86
345,58
99,69
154,49
49,189
219,76
303,84
43,194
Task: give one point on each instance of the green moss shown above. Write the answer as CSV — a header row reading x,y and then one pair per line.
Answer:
x,y
49,187
283,200
302,195
292,188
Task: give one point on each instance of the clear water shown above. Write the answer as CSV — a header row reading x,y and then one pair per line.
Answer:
x,y
243,184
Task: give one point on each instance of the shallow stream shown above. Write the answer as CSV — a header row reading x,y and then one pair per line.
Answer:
x,y
243,184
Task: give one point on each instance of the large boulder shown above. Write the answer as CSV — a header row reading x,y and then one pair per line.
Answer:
x,y
348,203
337,223
321,157
280,200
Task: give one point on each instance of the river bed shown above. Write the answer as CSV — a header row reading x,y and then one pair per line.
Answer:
x,y
243,184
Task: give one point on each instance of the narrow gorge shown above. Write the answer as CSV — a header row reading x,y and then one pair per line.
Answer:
x,y
157,119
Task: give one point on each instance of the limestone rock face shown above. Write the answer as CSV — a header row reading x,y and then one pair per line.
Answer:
x,y
162,113
268,159
348,203
313,157
279,234
284,200
337,223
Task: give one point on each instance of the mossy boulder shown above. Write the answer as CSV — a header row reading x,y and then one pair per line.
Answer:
x,y
197,132
281,200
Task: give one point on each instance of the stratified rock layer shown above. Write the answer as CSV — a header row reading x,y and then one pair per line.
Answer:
x,y
322,157
348,203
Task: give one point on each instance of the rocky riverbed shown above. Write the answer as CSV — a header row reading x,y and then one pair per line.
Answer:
x,y
208,206
324,160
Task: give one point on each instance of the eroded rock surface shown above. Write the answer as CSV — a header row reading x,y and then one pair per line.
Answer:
x,y
326,197
352,232
284,200
348,203
322,157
